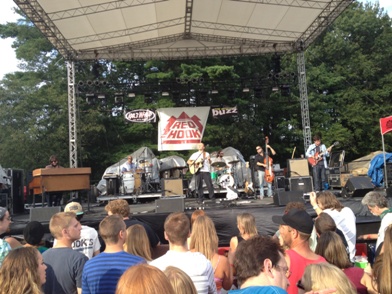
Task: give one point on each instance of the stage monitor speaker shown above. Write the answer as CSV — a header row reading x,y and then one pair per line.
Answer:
x,y
298,167
301,184
168,205
43,214
282,197
357,186
172,187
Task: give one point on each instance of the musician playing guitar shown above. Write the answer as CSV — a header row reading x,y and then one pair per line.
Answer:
x,y
260,168
314,150
200,165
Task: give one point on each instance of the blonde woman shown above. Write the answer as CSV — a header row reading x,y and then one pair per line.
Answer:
x,y
319,276
144,279
137,243
246,225
23,271
204,239
180,281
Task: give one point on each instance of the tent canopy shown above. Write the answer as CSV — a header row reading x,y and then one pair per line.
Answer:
x,y
179,29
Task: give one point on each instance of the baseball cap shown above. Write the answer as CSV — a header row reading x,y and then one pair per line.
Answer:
x,y
297,219
74,207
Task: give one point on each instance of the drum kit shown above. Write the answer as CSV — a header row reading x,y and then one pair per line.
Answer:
x,y
222,175
139,181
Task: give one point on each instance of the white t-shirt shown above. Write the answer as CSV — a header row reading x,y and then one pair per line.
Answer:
x,y
385,222
345,221
194,264
88,242
206,163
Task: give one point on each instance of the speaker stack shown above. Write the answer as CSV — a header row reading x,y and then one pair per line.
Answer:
x,y
357,187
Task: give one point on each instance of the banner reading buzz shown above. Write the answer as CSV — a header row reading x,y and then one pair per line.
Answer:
x,y
181,128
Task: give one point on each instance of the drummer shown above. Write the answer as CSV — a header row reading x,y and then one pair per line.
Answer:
x,y
219,164
129,166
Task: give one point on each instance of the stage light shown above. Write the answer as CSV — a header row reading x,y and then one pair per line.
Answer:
x,y
245,90
118,98
131,95
90,98
285,90
275,89
165,94
214,91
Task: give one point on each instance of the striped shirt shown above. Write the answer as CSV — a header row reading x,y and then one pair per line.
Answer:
x,y
194,264
102,272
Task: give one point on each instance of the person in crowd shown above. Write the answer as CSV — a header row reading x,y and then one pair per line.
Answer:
x,y
194,216
324,275
129,166
53,198
318,153
88,244
23,271
313,236
204,239
121,207
180,281
246,225
65,266
144,279
330,246
344,217
6,244
381,282
200,163
33,234
194,264
261,266
377,205
261,164
325,223
137,243
101,273
295,229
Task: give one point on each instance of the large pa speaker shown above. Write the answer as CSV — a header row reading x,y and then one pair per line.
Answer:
x,y
17,191
357,186
298,167
172,187
168,205
282,197
301,184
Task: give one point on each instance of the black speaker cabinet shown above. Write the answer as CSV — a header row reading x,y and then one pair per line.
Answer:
x,y
282,197
281,182
112,186
298,167
168,205
357,187
17,191
301,184
172,187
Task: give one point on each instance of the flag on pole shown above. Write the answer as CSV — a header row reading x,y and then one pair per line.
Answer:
x,y
386,124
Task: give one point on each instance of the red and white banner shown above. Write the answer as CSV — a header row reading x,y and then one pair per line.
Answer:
x,y
181,128
386,124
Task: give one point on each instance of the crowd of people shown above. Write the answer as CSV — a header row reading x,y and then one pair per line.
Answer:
x,y
305,256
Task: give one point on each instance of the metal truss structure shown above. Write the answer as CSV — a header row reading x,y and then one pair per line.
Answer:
x,y
72,124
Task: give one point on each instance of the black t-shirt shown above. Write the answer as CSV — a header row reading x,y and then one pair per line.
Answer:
x,y
152,236
259,158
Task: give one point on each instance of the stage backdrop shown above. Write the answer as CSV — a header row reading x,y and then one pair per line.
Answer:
x,y
181,128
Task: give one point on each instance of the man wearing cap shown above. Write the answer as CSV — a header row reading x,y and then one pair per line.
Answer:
x,y
88,244
295,228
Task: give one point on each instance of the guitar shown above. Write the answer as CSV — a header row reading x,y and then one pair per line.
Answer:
x,y
196,166
318,156
269,174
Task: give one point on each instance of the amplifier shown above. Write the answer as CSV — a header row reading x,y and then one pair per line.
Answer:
x,y
172,187
168,205
281,182
298,167
301,184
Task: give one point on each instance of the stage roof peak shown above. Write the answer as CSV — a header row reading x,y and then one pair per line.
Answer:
x,y
179,29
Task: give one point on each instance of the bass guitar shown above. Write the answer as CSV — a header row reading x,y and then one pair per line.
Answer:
x,y
196,166
318,156
269,174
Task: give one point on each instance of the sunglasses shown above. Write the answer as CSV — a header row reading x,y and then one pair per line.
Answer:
x,y
300,285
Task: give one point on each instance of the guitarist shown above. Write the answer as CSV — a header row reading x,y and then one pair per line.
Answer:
x,y
260,168
314,150
200,162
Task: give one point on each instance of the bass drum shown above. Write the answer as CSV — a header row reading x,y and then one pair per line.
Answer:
x,y
226,181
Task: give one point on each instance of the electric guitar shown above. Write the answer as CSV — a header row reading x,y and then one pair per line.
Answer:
x,y
318,156
196,165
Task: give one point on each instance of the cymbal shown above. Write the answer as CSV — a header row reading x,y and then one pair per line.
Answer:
x,y
234,161
218,164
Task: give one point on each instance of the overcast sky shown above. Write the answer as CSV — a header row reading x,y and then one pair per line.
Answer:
x,y
8,61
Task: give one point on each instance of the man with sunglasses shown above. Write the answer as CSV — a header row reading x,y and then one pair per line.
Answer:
x,y
53,198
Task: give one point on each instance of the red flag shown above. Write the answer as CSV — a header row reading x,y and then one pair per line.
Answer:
x,y
386,124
